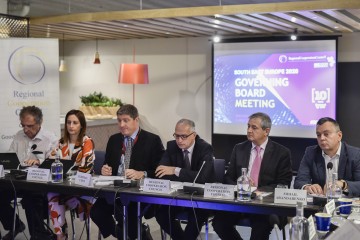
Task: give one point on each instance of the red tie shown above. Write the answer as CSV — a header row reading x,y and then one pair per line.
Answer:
x,y
255,169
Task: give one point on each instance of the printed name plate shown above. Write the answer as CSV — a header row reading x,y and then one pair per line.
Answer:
x,y
156,185
218,190
312,229
330,207
38,174
290,196
2,174
84,179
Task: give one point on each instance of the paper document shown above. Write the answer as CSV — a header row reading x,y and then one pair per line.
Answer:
x,y
107,178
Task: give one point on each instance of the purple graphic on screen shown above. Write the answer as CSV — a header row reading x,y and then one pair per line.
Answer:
x,y
293,88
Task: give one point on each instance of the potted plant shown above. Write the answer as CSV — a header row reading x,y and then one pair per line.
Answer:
x,y
97,106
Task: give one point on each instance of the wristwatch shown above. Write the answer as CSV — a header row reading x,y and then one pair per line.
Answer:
x,y
145,174
344,185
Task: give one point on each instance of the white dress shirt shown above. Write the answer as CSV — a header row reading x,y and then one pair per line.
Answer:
x,y
43,142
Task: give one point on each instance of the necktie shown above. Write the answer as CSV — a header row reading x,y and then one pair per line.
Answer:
x,y
186,159
129,145
255,169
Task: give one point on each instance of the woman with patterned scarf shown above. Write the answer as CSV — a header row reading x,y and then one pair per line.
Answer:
x,y
73,146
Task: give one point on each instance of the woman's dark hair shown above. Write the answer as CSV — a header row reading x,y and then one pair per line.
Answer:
x,y
80,115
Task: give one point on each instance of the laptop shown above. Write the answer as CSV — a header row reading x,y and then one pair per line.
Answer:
x,y
67,165
9,160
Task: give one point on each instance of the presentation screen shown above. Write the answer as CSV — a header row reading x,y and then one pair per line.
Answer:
x,y
294,82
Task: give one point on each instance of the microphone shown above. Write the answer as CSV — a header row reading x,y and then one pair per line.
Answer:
x,y
275,221
197,175
33,147
126,182
193,189
72,167
329,166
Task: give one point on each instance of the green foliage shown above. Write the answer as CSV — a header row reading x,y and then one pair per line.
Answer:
x,y
98,99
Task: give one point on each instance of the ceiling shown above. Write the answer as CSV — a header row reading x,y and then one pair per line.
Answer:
x,y
127,19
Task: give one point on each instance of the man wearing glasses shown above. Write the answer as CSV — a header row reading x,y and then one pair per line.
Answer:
x,y
182,161
345,159
32,145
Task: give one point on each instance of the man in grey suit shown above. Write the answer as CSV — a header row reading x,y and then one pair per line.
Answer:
x,y
345,161
274,168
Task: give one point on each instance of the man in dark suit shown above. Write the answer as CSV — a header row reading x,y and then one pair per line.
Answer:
x,y
345,161
182,162
269,164
146,152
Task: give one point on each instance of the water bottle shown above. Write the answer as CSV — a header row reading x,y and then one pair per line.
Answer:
x,y
299,225
243,186
57,170
333,190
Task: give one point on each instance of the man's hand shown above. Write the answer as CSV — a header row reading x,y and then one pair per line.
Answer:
x,y
31,162
133,174
164,170
106,170
314,189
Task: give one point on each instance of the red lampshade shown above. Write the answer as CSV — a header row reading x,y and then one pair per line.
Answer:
x,y
134,73
97,58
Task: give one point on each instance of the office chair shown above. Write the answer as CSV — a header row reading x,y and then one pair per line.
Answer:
x,y
99,161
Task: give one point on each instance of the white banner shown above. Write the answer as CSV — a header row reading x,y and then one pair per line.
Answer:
x,y
29,75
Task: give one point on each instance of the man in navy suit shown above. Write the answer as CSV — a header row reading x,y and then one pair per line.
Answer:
x,y
270,168
345,161
182,161
147,150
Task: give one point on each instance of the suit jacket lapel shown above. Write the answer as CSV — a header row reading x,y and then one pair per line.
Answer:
x,y
180,158
320,166
342,162
266,160
245,158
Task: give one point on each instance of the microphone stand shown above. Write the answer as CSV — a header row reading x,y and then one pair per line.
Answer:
x,y
193,189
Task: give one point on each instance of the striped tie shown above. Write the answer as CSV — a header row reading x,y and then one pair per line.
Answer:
x,y
186,159
129,145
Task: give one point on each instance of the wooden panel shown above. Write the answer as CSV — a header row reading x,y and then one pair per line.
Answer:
x,y
308,17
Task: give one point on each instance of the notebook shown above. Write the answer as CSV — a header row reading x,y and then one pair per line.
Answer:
x,y
67,165
9,160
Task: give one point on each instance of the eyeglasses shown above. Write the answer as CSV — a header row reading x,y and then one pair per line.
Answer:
x,y
183,137
27,126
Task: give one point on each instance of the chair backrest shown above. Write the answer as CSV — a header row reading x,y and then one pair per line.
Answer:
x,y
99,161
219,167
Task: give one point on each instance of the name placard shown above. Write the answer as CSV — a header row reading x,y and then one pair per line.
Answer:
x,y
38,174
84,179
312,229
156,185
290,196
2,174
330,207
218,190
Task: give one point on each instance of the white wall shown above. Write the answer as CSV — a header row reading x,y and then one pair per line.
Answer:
x,y
349,47
179,72
180,78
